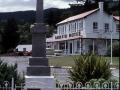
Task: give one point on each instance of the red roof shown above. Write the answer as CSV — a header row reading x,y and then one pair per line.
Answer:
x,y
117,17
66,39
78,16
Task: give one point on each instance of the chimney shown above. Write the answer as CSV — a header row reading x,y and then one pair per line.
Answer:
x,y
101,18
101,6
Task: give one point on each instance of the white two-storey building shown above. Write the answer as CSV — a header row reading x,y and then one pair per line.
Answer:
x,y
89,31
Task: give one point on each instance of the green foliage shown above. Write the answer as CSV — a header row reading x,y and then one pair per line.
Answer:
x,y
115,49
24,31
10,37
88,67
7,72
101,81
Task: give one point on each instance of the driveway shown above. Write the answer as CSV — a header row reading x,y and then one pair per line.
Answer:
x,y
60,73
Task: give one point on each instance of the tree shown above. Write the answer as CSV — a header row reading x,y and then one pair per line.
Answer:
x,y
50,19
50,31
7,72
89,67
115,49
10,36
25,35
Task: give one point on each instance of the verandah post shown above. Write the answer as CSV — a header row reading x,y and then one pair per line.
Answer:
x,y
12,85
111,86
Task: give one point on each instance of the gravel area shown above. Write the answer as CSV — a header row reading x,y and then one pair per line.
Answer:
x,y
60,73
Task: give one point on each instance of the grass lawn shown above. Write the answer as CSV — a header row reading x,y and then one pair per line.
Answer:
x,y
68,61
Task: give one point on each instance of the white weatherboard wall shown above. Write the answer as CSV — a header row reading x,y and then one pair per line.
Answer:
x,y
75,46
88,42
88,24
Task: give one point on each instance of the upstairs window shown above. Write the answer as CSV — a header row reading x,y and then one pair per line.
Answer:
x,y
77,25
74,27
106,27
65,29
117,27
80,25
69,27
59,30
95,25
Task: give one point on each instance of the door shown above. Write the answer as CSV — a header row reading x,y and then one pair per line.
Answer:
x,y
70,48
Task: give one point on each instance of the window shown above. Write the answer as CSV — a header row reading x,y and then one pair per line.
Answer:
x,y
91,48
80,25
59,30
62,46
74,27
69,28
95,25
106,27
77,25
65,29
117,27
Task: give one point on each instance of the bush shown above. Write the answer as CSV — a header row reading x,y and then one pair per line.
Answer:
x,y
88,67
101,81
7,72
10,50
115,49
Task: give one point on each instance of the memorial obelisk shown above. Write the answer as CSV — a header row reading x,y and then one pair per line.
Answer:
x,y
38,69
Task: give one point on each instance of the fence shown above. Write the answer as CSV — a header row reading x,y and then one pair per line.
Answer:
x,y
68,86
87,86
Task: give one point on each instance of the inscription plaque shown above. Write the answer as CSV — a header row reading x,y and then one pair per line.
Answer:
x,y
33,89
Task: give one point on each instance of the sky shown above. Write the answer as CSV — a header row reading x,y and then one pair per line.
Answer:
x,y
23,5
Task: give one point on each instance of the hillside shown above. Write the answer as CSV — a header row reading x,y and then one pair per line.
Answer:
x,y
25,15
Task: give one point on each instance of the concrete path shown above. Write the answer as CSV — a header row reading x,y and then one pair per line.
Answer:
x,y
60,73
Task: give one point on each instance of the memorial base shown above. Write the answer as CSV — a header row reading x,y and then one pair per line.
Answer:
x,y
40,83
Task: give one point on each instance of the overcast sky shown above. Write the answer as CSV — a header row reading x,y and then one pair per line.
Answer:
x,y
23,5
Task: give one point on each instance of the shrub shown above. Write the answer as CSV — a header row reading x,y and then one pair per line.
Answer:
x,y
101,81
115,49
88,67
10,50
7,72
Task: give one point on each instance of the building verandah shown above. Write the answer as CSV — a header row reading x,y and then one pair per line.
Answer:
x,y
80,46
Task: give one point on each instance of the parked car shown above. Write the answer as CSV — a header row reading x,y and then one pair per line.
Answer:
x,y
28,53
49,51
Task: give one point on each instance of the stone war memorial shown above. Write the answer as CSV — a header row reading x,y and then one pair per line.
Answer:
x,y
38,72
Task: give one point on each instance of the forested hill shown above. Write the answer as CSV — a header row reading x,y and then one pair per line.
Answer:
x,y
54,15
25,15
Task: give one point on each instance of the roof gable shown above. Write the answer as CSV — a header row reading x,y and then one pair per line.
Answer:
x,y
116,17
78,16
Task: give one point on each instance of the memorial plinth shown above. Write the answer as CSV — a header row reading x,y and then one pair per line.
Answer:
x,y
38,70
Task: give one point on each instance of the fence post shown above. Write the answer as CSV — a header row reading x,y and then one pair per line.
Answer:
x,y
111,86
12,85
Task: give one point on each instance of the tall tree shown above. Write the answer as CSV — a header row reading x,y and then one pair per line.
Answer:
x,y
25,35
10,36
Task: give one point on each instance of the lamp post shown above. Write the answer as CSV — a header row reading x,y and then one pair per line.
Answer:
x,y
111,19
111,49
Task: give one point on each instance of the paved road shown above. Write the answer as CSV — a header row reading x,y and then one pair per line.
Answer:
x,y
60,73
